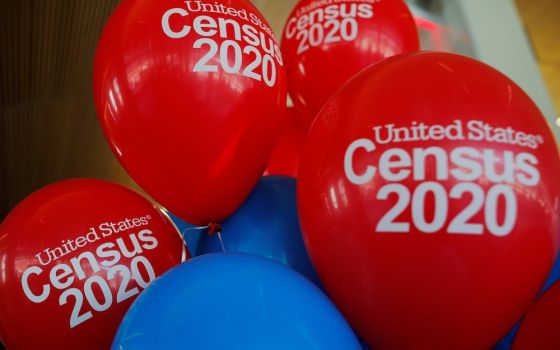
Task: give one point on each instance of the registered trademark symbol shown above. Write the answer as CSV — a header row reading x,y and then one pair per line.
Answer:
x,y
148,217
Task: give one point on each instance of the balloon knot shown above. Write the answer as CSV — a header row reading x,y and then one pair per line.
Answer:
x,y
213,229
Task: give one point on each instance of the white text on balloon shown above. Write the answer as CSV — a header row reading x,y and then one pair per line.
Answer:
x,y
469,165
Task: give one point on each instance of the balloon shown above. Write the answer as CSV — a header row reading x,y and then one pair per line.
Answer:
x,y
189,93
426,194
325,44
285,158
191,234
554,275
539,330
74,255
233,301
267,225
507,342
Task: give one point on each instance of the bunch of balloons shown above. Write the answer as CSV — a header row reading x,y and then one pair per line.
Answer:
x,y
411,198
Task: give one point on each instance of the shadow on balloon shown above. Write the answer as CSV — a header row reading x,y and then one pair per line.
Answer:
x,y
233,301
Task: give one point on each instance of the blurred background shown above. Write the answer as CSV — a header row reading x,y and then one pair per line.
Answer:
x,y
49,130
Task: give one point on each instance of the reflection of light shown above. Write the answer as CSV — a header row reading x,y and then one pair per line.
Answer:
x,y
113,103
3,268
343,194
510,95
134,73
558,122
118,92
301,68
334,199
446,67
117,149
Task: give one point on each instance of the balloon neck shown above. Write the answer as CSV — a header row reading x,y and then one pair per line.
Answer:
x,y
214,228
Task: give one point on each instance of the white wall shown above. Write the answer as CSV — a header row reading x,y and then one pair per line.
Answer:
x,y
499,39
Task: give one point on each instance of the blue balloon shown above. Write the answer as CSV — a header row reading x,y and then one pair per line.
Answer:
x,y
236,302
267,225
191,234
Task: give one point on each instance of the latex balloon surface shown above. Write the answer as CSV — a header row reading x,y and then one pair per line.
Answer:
x,y
190,93
238,302
554,275
74,255
267,225
428,195
507,342
287,153
325,43
539,330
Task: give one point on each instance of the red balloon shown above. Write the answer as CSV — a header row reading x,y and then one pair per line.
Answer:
x,y
74,255
191,96
428,195
325,44
539,330
285,157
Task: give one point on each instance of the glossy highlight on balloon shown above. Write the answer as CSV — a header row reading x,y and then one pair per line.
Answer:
x,y
234,301
427,194
326,43
74,256
191,97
